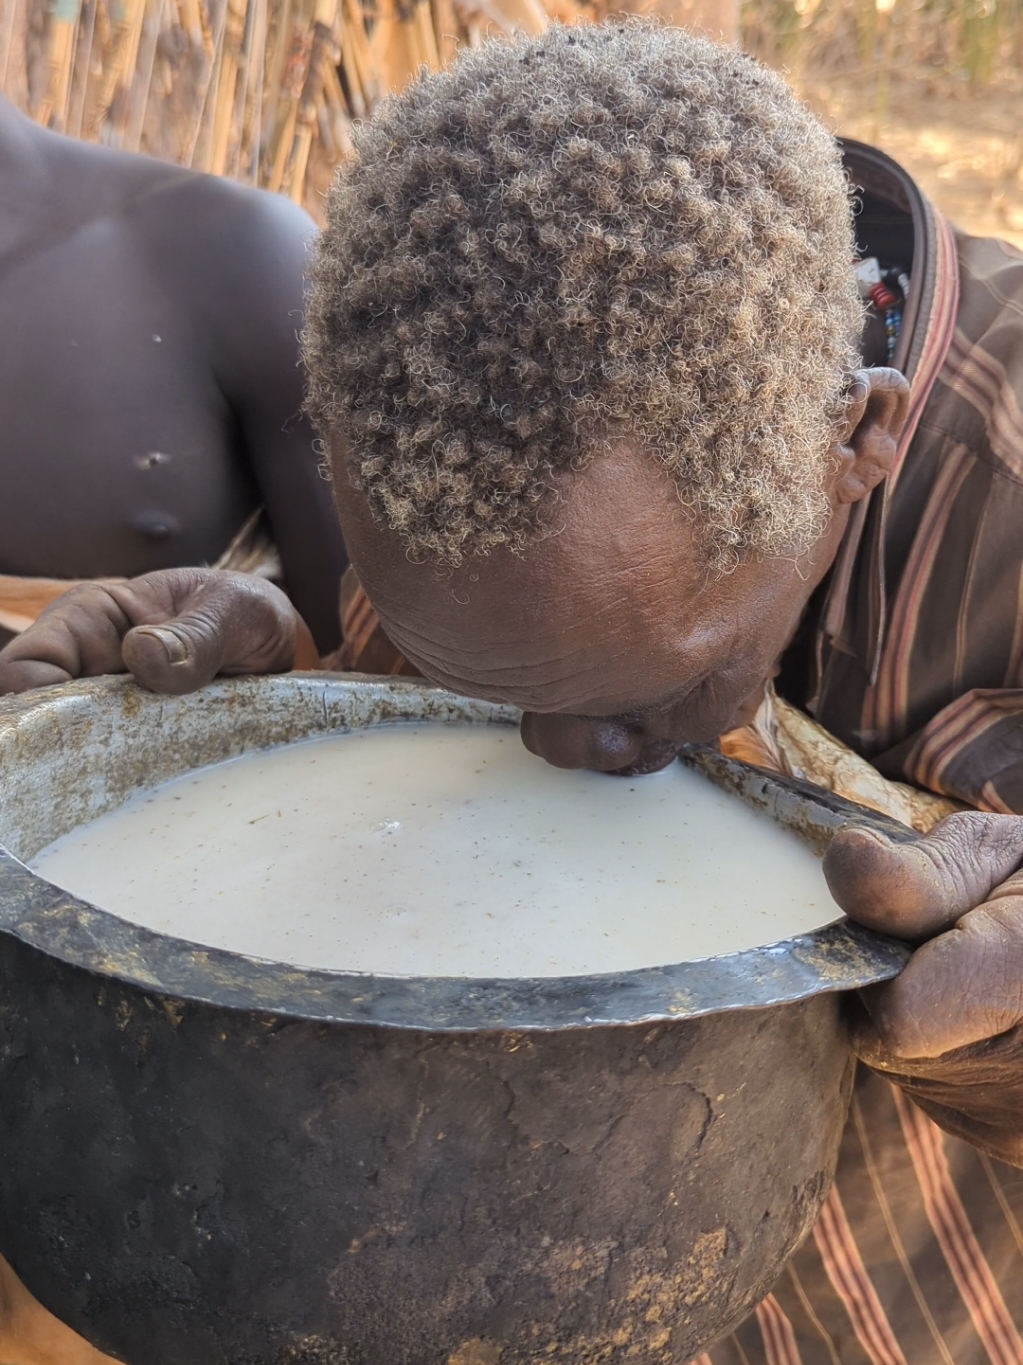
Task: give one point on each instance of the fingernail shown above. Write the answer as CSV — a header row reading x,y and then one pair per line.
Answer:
x,y
176,649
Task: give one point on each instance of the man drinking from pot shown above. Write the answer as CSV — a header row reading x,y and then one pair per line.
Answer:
x,y
611,441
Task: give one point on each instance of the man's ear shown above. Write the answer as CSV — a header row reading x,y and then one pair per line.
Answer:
x,y
868,435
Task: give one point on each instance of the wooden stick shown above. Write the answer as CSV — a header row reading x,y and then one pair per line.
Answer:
x,y
103,26
358,107
445,26
223,115
227,85
82,69
324,16
62,102
10,13
251,115
333,92
340,122
284,144
293,80
322,38
300,162
242,17
525,16
191,22
130,57
393,49
367,69
126,34
427,38
63,28
281,31
210,81
143,79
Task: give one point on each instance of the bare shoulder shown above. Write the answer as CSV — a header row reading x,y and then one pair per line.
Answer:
x,y
236,260
222,228
194,230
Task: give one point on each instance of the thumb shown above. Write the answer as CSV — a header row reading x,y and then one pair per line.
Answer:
x,y
231,623
921,887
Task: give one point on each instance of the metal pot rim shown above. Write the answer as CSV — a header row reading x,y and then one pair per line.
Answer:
x,y
841,956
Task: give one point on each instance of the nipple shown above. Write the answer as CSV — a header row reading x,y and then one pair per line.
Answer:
x,y
156,525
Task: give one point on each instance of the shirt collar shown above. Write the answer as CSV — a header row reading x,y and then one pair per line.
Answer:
x,y
855,610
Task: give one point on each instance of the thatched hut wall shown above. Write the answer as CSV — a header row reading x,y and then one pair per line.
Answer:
x,y
262,90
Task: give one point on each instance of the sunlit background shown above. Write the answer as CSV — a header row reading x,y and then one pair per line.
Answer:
x,y
267,90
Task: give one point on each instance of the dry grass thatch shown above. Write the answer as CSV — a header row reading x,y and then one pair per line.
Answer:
x,y
267,90
262,90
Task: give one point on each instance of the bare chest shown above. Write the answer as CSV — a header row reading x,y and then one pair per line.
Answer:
x,y
119,453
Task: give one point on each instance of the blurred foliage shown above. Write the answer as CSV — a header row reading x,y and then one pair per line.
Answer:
x,y
977,40
268,90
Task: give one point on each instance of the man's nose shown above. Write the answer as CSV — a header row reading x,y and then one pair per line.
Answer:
x,y
581,742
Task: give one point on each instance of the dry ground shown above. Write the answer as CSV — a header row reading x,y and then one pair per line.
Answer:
x,y
964,147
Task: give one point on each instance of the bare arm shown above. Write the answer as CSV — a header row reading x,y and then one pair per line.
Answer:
x,y
248,279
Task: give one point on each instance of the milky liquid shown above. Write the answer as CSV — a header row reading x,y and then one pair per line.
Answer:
x,y
444,850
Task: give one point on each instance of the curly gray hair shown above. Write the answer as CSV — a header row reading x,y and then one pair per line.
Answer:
x,y
617,228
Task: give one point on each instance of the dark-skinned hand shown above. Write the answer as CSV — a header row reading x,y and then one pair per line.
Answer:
x,y
949,1030
174,630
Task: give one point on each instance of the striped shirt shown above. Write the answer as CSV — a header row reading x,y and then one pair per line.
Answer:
x,y
919,658
913,655
916,1259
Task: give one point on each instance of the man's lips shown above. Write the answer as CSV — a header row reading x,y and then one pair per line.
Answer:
x,y
653,759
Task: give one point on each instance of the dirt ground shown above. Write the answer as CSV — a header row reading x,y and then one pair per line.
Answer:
x,y
965,148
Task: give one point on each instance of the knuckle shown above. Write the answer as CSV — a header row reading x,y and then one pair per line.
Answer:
x,y
238,595
201,631
972,851
86,599
171,583
81,592
899,1020
1002,834
955,838
902,1036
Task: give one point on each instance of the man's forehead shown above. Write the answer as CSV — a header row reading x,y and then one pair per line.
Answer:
x,y
615,529
548,588
564,586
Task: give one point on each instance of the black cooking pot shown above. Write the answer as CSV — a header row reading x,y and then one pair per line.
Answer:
x,y
209,1159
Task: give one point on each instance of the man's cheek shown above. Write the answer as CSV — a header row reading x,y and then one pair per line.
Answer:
x,y
702,719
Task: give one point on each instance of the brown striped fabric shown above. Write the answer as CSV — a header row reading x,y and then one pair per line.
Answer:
x,y
917,663
920,648
917,1258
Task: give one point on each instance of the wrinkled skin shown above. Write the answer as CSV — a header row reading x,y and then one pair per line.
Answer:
x,y
223,623
610,634
619,647
949,1030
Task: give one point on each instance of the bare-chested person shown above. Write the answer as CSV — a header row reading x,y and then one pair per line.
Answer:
x,y
149,379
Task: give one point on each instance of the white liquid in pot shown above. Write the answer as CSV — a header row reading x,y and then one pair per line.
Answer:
x,y
444,851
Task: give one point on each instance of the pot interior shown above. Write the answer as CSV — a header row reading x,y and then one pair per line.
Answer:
x,y
73,754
